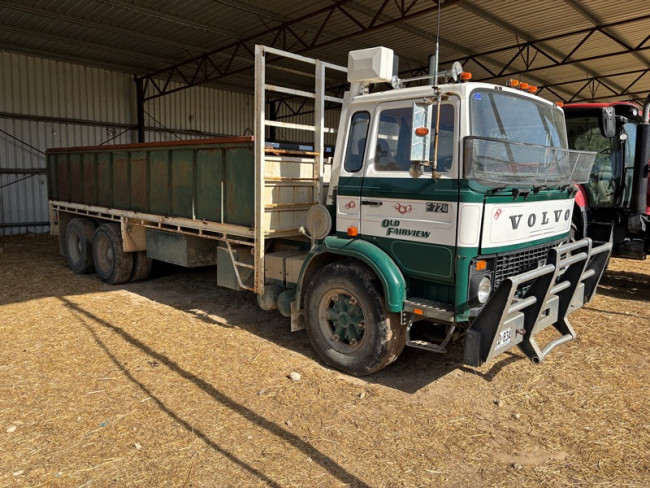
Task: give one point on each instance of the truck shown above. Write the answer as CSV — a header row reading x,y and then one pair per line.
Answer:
x,y
443,215
617,194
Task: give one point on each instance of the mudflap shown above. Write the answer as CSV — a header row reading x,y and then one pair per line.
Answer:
x,y
513,317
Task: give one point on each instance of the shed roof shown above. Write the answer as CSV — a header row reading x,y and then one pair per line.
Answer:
x,y
573,50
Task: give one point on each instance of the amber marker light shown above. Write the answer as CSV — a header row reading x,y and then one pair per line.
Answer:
x,y
481,265
353,231
532,89
421,131
512,83
559,104
465,76
418,311
523,86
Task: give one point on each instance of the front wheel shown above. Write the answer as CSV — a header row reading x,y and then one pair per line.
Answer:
x,y
347,323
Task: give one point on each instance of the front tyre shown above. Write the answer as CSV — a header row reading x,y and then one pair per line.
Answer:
x,y
347,323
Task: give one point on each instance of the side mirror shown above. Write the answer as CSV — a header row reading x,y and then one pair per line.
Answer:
x,y
421,139
607,122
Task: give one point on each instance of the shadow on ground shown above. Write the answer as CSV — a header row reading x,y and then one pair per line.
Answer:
x,y
32,268
89,320
627,285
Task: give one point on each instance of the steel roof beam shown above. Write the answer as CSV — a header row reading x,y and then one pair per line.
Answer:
x,y
542,46
424,34
97,25
598,23
587,80
565,62
569,63
172,18
285,38
123,53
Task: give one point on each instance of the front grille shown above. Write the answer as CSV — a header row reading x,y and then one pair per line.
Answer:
x,y
514,263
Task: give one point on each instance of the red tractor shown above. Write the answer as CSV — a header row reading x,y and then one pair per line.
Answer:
x,y
617,195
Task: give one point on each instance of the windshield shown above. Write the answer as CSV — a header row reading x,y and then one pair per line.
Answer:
x,y
605,180
517,140
513,118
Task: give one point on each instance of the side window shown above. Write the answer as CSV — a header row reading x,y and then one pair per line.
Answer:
x,y
356,148
394,140
394,134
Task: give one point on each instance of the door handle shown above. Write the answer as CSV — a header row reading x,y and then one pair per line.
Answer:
x,y
372,202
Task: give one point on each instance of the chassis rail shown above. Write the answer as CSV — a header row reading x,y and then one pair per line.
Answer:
x,y
513,317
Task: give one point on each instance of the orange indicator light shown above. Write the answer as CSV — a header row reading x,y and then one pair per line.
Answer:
x,y
418,311
481,265
353,231
523,86
559,104
513,83
532,89
421,131
465,76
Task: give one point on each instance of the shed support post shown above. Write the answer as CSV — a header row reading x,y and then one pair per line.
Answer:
x,y
140,107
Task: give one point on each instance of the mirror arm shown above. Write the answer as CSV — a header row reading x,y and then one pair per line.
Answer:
x,y
434,172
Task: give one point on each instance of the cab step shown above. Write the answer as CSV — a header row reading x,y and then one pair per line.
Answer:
x,y
418,308
429,309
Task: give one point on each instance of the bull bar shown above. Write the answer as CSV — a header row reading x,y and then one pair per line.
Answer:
x,y
514,315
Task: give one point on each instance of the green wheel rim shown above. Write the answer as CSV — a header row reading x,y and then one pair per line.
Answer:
x,y
342,320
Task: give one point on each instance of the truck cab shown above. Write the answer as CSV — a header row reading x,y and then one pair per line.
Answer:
x,y
458,197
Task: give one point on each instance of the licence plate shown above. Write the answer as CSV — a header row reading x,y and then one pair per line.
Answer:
x,y
503,338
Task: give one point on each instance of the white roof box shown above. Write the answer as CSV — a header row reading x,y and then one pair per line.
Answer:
x,y
372,65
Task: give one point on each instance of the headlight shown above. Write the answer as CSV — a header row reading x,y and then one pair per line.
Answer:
x,y
484,290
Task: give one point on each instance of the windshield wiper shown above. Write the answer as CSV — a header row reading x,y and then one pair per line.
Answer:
x,y
570,188
518,191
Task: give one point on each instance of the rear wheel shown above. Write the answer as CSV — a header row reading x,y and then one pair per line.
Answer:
x,y
347,323
141,266
112,265
79,244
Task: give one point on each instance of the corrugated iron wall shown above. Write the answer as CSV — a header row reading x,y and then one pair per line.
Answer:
x,y
197,112
49,104
46,103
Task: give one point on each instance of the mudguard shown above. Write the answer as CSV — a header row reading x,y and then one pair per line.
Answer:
x,y
383,266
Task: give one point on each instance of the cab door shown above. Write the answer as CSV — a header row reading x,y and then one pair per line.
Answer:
x,y
348,196
412,219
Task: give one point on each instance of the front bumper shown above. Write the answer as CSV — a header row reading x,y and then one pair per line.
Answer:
x,y
513,317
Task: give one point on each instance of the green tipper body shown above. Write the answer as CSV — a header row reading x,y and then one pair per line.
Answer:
x,y
210,180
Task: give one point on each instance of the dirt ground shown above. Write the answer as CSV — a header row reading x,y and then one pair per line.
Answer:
x,y
176,382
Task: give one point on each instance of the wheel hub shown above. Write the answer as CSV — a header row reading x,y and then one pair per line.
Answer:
x,y
345,319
